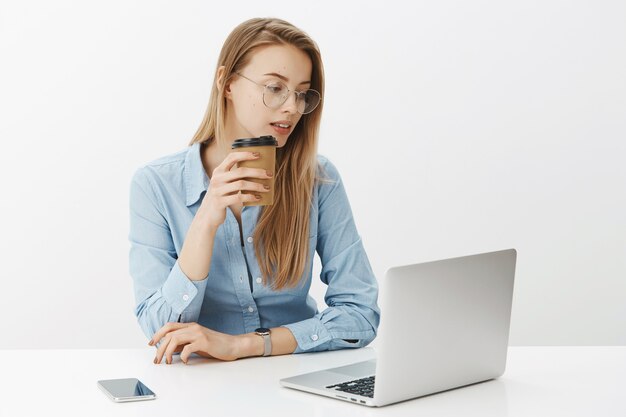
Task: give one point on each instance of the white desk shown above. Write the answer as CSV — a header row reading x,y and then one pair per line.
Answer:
x,y
539,381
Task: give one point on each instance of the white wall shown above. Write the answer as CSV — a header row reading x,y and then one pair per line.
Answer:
x,y
483,126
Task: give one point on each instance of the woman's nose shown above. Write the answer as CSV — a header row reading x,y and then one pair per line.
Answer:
x,y
291,104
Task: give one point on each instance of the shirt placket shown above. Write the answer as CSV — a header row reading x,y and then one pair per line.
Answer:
x,y
247,304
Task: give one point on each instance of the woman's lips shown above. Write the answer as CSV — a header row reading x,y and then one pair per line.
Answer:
x,y
280,130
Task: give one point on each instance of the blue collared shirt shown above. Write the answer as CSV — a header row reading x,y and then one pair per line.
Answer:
x,y
164,197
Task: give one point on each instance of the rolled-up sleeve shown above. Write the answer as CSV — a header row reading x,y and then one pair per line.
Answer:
x,y
352,317
163,293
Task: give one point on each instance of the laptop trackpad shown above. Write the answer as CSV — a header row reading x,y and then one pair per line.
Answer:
x,y
359,369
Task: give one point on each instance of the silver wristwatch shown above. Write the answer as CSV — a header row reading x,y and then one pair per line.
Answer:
x,y
265,334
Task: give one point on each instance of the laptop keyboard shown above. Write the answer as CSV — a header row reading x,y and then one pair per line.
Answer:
x,y
363,386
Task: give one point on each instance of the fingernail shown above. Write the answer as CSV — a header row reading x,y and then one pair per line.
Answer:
x,y
270,174
150,343
258,197
257,154
267,187
155,360
167,361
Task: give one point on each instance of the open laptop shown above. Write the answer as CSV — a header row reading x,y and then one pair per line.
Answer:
x,y
444,324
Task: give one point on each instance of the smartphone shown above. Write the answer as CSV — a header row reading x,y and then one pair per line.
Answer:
x,y
128,389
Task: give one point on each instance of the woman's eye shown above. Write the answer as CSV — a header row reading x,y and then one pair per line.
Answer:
x,y
275,88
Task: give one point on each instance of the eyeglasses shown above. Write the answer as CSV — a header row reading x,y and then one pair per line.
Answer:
x,y
276,93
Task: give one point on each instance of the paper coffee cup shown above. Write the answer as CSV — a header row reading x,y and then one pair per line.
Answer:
x,y
266,147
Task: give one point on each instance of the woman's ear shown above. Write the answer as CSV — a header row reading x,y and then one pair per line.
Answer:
x,y
224,89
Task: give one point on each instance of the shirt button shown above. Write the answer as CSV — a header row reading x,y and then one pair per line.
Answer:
x,y
241,278
259,280
250,309
314,337
250,239
185,297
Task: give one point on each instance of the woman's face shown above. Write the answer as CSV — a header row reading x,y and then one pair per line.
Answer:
x,y
247,116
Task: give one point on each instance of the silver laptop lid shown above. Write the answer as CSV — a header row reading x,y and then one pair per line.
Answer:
x,y
448,327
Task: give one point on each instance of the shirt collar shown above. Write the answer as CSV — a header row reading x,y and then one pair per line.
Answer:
x,y
196,179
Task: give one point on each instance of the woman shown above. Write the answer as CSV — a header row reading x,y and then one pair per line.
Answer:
x,y
227,281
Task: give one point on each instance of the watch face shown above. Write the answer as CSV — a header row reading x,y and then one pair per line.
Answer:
x,y
262,331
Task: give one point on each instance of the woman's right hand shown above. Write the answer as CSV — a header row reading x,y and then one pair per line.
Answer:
x,y
226,184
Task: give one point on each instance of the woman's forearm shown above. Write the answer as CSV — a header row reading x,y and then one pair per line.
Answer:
x,y
195,256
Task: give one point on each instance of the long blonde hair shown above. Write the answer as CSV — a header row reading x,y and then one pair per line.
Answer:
x,y
282,233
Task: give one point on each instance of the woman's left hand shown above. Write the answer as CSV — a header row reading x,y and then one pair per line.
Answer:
x,y
188,338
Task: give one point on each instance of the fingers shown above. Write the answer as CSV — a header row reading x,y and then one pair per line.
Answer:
x,y
230,186
172,342
177,344
187,351
169,327
222,201
233,158
243,185
240,198
238,175
232,183
196,348
197,339
247,173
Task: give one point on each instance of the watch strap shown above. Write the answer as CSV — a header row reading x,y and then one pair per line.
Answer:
x,y
267,340
268,344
